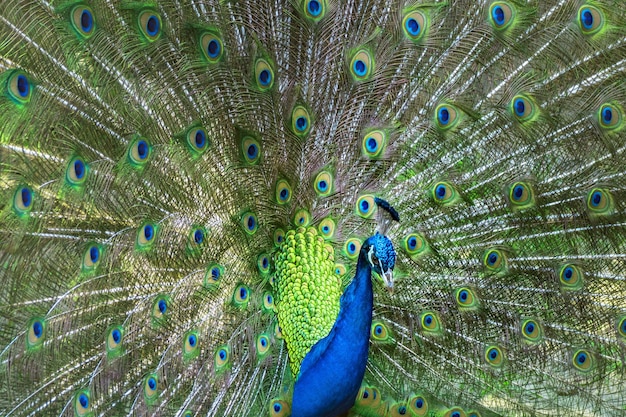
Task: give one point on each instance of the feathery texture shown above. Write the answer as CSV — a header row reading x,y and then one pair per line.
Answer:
x,y
185,186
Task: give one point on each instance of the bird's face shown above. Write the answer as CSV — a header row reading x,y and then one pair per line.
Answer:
x,y
381,256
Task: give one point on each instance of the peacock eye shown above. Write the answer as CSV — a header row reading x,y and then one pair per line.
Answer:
x,y
374,259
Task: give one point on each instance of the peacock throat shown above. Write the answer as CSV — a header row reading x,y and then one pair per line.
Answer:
x,y
307,291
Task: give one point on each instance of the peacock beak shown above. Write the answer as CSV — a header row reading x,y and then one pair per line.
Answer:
x,y
388,278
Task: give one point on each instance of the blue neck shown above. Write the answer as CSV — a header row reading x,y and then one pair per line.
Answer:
x,y
331,373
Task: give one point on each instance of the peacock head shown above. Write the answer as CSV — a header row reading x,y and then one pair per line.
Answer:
x,y
381,256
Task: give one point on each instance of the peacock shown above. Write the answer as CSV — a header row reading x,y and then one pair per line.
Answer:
x,y
311,208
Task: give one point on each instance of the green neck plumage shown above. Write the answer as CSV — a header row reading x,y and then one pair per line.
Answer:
x,y
307,291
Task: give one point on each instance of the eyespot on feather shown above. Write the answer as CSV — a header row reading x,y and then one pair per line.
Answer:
x,y
314,10
279,408
521,195
414,25
591,20
283,192
365,206
362,65
501,15
263,74
571,277
18,86
351,247
76,172
150,25
249,223
36,333
302,218
447,116
300,121
139,152
373,144
83,21
323,184
150,388
241,296
23,201
82,403
212,47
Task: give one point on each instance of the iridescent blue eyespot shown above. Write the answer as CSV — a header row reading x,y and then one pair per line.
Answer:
x,y
352,247
264,74
82,406
323,183
440,191
300,121
249,223
116,335
23,87
83,400
447,116
148,232
520,107
360,68
314,8
162,305
150,25
37,329
498,15
501,15
142,149
211,46
18,87
607,115
443,115
586,17
265,77
596,198
198,236
82,20
200,138
253,151
590,19
94,254
583,360
215,273
214,48
27,197
412,26
86,20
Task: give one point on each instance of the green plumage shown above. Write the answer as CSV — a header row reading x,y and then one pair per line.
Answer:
x,y
160,160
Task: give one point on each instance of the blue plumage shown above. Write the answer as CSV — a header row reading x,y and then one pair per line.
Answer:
x,y
331,373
